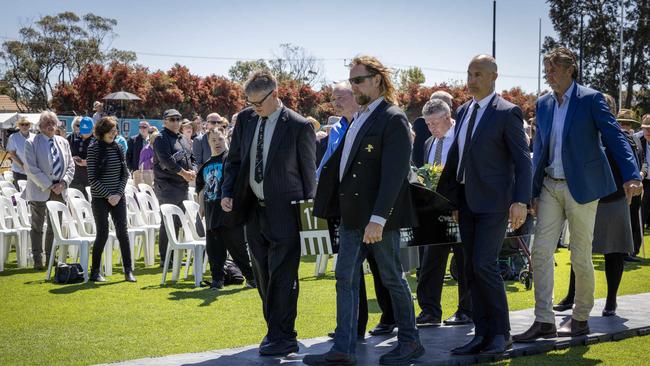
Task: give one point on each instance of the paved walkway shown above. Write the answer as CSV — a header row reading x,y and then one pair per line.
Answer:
x,y
633,319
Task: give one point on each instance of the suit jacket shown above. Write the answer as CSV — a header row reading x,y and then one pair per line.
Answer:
x,y
201,149
375,178
135,145
422,135
289,172
587,172
38,167
642,148
498,169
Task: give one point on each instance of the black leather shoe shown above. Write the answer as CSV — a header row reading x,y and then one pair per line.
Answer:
x,y
402,354
536,331
360,337
458,319
563,305
382,329
473,347
129,277
265,341
497,346
573,328
97,277
632,258
609,312
331,358
279,348
425,319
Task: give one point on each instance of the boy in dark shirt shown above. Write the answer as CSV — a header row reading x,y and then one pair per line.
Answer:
x,y
222,235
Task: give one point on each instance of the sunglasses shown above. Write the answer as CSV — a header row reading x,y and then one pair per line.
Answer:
x,y
360,79
174,119
143,127
258,104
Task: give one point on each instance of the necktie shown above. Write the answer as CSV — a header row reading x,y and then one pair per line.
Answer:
x,y
57,166
259,153
437,157
468,139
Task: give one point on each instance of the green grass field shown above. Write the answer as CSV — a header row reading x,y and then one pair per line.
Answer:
x,y
42,323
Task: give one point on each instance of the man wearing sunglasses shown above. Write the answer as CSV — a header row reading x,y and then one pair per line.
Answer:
x,y
200,147
365,184
173,168
272,162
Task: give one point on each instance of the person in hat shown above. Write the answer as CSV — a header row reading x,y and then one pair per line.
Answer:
x,y
16,149
98,107
79,146
173,169
135,146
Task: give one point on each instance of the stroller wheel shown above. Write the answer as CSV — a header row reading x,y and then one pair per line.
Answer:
x,y
453,268
526,278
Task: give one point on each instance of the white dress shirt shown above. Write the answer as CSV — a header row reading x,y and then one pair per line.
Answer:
x,y
555,167
462,132
446,144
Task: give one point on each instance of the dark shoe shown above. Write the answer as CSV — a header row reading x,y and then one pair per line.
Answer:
x,y
216,285
403,353
632,258
425,319
251,284
563,305
473,347
331,358
536,331
265,341
573,328
129,277
458,319
497,346
39,266
360,337
382,329
609,310
97,277
279,348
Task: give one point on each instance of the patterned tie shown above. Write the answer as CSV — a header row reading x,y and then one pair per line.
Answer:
x,y
259,154
437,157
468,139
57,165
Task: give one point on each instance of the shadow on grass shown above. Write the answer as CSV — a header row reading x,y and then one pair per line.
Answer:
x,y
208,295
72,288
574,356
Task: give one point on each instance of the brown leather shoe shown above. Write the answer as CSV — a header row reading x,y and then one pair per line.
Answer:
x,y
573,328
536,331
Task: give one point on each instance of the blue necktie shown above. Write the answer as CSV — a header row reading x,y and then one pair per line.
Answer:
x,y
57,165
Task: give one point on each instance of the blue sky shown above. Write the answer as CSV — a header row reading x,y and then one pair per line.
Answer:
x,y
439,36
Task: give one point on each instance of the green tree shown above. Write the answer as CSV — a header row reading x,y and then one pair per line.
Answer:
x,y
601,53
53,51
292,62
241,70
411,76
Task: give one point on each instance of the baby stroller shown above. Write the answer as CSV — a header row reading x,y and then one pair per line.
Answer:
x,y
514,258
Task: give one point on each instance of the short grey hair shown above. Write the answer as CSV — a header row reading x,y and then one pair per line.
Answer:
x,y
436,106
47,116
343,85
444,96
260,81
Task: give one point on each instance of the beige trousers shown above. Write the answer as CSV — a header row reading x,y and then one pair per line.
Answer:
x,y
554,206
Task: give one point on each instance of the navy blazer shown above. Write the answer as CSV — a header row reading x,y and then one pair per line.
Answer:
x,y
498,169
289,173
588,121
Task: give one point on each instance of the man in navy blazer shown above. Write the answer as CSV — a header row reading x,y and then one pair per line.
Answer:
x,y
488,177
571,174
271,162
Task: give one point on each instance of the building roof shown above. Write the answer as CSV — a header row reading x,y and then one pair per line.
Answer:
x,y
8,105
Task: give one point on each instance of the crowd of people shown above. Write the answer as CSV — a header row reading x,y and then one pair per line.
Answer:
x,y
571,165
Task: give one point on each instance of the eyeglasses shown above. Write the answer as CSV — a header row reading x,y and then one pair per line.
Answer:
x,y
258,104
213,122
174,119
143,127
359,79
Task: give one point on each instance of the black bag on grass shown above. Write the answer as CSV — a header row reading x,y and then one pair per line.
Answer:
x,y
232,274
68,273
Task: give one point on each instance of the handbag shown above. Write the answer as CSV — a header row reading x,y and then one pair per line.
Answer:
x,y
68,273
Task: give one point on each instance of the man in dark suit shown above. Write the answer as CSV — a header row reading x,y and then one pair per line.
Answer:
x,y
488,176
437,115
644,137
422,133
135,145
365,184
272,162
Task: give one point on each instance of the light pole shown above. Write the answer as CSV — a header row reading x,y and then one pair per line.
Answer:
x,y
494,28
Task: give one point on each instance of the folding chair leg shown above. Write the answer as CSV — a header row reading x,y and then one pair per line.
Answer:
x,y
132,249
83,249
335,257
108,257
165,266
205,261
150,246
51,262
176,268
187,264
21,251
3,253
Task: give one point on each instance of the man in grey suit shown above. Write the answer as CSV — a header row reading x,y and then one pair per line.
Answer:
x,y
50,169
272,162
201,147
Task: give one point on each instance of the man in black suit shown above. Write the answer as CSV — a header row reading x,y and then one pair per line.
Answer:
x,y
272,162
365,184
488,176
135,145
422,133
433,267
644,137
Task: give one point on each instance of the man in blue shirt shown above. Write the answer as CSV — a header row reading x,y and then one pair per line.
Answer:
x,y
344,104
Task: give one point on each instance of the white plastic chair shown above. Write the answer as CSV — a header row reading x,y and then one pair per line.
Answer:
x,y
75,193
130,190
12,230
9,191
176,246
136,220
8,176
90,196
4,183
73,238
150,208
192,212
22,184
23,211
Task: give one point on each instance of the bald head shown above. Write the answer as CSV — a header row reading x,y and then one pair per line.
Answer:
x,y
481,76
